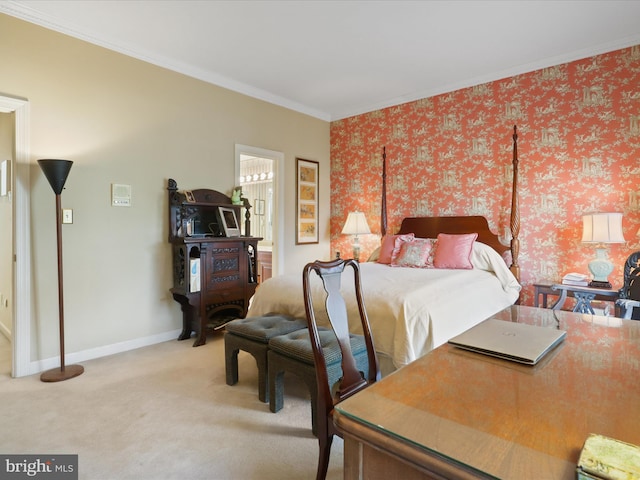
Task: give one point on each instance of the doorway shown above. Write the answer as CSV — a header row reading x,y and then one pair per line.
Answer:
x,y
259,173
20,297
6,239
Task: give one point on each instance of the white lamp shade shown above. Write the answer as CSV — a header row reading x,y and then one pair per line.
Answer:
x,y
356,224
602,228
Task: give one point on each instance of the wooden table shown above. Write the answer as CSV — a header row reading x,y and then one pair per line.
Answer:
x,y
456,414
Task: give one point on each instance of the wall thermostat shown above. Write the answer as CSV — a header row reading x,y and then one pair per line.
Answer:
x,y
120,195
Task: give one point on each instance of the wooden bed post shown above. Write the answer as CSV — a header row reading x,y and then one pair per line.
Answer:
x,y
515,207
383,211
515,210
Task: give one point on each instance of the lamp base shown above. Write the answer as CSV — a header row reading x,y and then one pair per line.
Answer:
x,y
600,268
58,374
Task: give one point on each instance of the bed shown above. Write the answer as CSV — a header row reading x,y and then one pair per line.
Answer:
x,y
414,310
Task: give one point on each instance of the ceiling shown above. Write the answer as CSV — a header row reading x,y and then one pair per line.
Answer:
x,y
334,59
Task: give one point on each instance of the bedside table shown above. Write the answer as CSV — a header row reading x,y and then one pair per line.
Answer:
x,y
583,296
549,287
543,287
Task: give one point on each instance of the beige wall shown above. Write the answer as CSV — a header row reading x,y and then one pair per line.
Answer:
x,y
6,229
125,121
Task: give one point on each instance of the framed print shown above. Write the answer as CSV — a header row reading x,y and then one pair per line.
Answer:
x,y
229,222
306,201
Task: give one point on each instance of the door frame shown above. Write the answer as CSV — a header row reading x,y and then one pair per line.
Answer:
x,y
278,198
21,238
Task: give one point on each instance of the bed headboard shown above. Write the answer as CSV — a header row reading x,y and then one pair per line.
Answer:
x,y
429,227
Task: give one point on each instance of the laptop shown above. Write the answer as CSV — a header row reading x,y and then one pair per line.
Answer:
x,y
517,342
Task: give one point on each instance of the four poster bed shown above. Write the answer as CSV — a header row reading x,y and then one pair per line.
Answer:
x,y
414,310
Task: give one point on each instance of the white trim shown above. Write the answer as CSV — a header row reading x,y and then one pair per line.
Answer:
x,y
21,272
25,12
278,234
99,352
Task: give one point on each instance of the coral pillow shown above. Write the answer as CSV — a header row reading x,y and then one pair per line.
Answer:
x,y
454,251
416,253
389,244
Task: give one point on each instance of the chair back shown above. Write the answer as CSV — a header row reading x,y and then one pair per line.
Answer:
x,y
352,380
631,287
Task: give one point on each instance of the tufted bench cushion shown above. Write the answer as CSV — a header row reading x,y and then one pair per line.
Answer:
x,y
252,335
297,345
262,329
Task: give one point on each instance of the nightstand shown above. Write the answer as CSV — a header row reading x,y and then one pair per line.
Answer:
x,y
543,287
583,295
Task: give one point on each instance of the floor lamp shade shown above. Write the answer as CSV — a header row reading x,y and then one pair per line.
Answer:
x,y
57,172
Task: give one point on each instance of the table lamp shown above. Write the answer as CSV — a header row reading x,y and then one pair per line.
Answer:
x,y
601,229
57,172
356,224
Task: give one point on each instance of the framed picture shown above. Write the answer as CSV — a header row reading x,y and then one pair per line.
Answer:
x,y
306,201
229,222
259,206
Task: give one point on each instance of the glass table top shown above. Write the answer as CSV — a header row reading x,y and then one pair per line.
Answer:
x,y
499,417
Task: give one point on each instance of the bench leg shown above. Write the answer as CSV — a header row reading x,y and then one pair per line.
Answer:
x,y
230,361
232,345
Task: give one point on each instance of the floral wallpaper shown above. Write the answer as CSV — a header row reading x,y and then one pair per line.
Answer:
x,y
579,152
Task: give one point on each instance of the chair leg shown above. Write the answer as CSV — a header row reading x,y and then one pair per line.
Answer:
x,y
323,457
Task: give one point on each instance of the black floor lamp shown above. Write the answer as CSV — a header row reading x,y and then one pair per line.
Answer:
x,y
57,172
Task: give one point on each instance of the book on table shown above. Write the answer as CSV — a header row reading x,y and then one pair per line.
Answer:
x,y
604,458
576,279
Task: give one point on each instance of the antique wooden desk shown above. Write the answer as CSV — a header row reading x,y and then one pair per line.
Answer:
x,y
456,414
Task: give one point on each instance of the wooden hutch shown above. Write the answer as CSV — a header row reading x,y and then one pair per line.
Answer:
x,y
214,275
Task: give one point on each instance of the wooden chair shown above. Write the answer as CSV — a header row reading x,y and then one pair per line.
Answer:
x,y
353,380
628,305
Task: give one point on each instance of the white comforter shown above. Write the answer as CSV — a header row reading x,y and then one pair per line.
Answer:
x,y
411,310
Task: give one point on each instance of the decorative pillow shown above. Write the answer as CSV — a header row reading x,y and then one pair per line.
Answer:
x,y
388,245
454,251
416,253
375,255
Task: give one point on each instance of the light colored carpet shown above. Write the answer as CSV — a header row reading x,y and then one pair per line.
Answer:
x,y
164,412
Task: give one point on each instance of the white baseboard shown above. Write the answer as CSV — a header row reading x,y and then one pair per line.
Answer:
x,y
78,357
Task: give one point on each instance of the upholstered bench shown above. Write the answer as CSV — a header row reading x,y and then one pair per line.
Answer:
x,y
252,335
292,353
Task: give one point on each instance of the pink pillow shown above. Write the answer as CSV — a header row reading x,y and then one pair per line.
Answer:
x,y
388,244
416,253
454,251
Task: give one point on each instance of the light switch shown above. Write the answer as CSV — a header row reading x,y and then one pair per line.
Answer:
x,y
67,215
